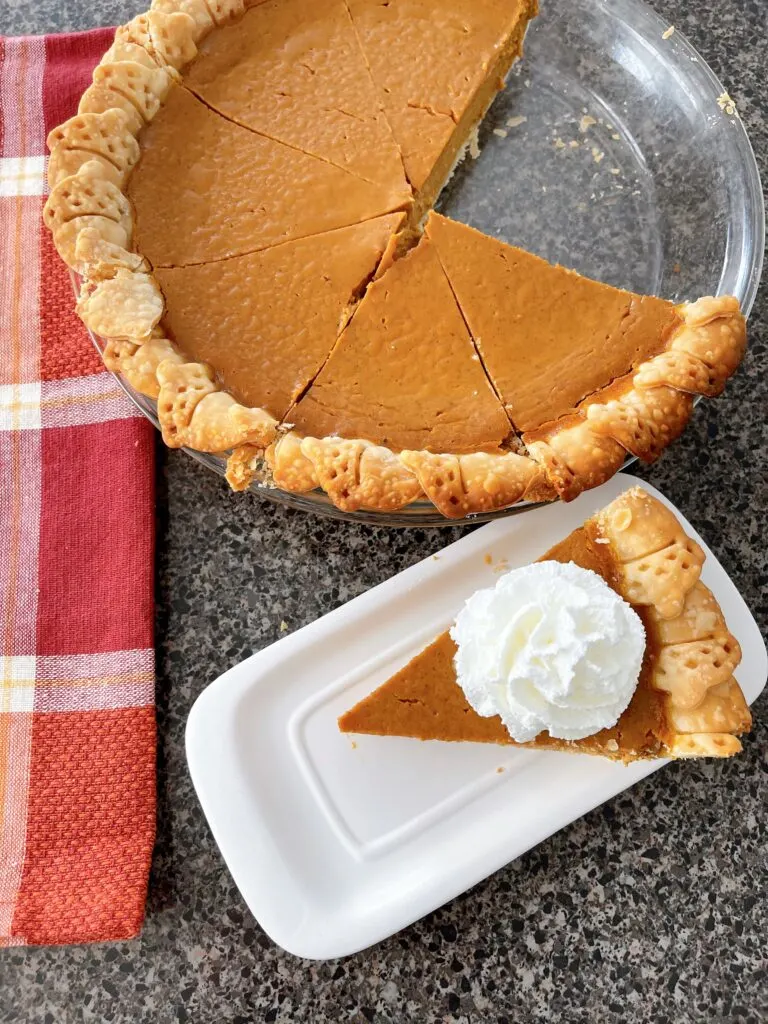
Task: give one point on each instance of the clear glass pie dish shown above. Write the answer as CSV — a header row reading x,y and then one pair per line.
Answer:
x,y
614,150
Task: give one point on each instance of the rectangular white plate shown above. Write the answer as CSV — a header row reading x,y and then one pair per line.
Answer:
x,y
336,841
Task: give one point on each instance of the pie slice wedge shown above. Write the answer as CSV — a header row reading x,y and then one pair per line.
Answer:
x,y
586,372
267,320
438,67
405,374
227,190
294,71
687,702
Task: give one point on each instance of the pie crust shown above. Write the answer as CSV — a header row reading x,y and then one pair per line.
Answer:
x,y
91,220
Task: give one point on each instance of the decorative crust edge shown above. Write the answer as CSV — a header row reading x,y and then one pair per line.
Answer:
x,y
659,568
90,218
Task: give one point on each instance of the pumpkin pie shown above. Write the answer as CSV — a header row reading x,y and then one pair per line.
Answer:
x,y
241,193
687,702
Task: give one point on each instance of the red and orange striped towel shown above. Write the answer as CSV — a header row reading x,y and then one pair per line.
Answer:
x,y
77,729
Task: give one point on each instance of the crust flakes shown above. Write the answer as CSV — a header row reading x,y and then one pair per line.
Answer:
x,y
358,474
134,88
197,10
290,468
166,37
654,573
127,304
138,361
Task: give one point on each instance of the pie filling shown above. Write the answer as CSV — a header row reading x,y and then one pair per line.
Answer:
x,y
269,339
276,71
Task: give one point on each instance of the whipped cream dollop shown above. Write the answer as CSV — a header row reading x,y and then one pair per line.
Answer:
x,y
552,647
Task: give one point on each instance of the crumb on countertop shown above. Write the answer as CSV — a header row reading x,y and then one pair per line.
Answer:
x,y
585,122
669,32
473,146
515,122
726,104
501,132
284,626
488,559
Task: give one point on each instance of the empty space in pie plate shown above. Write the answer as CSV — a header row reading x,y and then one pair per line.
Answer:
x,y
609,153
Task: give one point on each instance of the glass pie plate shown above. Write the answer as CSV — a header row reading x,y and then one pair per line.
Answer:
x,y
614,150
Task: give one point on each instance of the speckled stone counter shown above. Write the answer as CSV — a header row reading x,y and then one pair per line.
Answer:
x,y
650,909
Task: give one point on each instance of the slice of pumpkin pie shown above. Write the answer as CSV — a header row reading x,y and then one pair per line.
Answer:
x,y
610,644
295,71
586,372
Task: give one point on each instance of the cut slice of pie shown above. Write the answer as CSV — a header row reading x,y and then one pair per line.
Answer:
x,y
405,374
687,702
438,67
205,189
548,336
294,71
268,320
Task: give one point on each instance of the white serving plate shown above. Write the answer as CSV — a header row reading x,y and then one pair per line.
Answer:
x,y
337,841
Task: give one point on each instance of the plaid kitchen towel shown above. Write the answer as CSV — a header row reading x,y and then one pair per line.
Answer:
x,y
77,728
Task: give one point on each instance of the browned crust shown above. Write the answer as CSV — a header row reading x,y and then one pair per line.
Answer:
x,y
659,569
90,219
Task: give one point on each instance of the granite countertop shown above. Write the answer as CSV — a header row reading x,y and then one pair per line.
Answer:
x,y
647,910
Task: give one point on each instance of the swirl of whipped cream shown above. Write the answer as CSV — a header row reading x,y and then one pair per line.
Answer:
x,y
552,647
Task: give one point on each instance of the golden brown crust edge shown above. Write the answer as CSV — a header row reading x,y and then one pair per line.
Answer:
x,y
659,567
92,156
